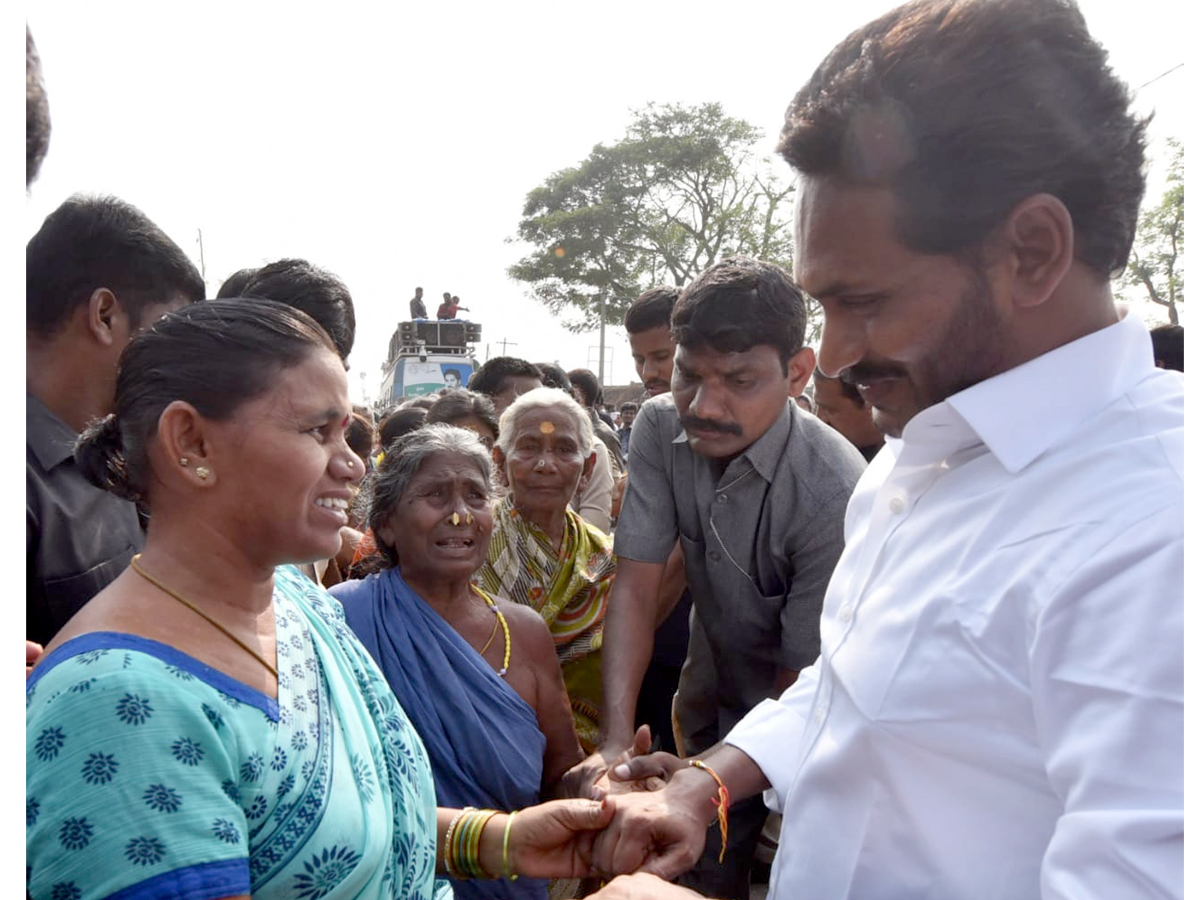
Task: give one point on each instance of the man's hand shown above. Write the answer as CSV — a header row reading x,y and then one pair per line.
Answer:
x,y
644,773
643,886
33,652
659,832
590,777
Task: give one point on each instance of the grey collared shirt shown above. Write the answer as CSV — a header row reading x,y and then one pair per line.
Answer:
x,y
760,539
78,538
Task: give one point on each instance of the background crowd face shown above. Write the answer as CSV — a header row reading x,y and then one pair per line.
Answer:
x,y
727,401
854,421
511,388
654,358
909,329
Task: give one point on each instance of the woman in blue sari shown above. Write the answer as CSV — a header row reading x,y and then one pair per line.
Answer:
x,y
478,677
207,726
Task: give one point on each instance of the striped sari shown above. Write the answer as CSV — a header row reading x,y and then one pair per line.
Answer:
x,y
569,586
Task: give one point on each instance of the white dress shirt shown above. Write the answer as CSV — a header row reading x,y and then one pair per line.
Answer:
x,y
997,711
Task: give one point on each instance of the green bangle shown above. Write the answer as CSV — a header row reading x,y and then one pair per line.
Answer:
x,y
508,873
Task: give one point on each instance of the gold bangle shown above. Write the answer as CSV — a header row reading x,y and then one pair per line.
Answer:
x,y
508,873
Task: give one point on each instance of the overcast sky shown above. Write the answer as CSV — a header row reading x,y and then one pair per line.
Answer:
x,y
394,145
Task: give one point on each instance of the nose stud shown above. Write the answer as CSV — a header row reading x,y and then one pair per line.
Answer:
x,y
455,518
541,464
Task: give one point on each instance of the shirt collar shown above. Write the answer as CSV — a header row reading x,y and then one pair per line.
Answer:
x,y
765,453
1021,413
50,438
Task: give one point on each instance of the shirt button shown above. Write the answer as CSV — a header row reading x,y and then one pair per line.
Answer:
x,y
714,556
845,612
896,504
722,499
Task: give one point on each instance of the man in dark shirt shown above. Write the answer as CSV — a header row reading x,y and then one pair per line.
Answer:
x,y
756,492
97,273
416,306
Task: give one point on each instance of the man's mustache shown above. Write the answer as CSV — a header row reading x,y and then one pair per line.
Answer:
x,y
864,373
698,424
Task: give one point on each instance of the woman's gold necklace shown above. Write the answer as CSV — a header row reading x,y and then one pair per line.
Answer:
x,y
133,563
503,624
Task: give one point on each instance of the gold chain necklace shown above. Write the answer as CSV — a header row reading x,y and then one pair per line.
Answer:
x,y
133,563
503,624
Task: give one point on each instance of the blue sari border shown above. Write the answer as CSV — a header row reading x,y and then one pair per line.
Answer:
x,y
207,881
116,640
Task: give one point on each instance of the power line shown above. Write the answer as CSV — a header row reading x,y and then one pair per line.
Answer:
x,y
1156,77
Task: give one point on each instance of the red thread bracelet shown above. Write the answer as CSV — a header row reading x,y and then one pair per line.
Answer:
x,y
721,802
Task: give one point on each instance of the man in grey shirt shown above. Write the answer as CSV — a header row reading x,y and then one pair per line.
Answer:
x,y
755,490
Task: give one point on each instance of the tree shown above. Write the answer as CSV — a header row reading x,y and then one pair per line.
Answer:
x,y
681,190
1156,262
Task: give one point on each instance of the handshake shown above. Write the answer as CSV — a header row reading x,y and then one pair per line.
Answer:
x,y
640,820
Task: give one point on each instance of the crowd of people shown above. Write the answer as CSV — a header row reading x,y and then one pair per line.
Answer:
x,y
908,606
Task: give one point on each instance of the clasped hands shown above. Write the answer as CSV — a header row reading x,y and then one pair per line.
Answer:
x,y
636,822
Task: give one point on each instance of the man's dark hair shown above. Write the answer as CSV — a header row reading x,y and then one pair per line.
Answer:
x,y
216,356
456,405
102,242
1168,346
652,309
360,435
629,406
489,377
314,290
235,284
555,376
37,111
741,303
848,390
587,384
966,107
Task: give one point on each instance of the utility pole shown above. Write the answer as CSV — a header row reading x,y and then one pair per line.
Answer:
x,y
504,342
200,240
600,374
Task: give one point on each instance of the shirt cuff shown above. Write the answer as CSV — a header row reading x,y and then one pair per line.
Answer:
x,y
770,735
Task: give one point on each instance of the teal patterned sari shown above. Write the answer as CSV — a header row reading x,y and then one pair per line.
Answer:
x,y
149,774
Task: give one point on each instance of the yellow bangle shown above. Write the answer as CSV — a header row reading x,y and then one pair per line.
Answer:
x,y
508,873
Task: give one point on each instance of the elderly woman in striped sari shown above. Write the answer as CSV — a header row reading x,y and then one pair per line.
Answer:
x,y
541,552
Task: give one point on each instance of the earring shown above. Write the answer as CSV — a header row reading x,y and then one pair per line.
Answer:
x,y
183,460
202,471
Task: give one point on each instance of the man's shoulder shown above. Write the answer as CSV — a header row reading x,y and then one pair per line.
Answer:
x,y
818,456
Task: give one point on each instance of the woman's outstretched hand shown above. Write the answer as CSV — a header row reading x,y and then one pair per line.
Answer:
x,y
550,840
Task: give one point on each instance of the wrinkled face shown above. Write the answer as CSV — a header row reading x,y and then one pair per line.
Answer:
x,y
727,401
654,358
855,422
546,461
511,388
908,329
441,525
284,466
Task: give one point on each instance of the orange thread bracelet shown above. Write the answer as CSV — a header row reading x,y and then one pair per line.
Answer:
x,y
721,802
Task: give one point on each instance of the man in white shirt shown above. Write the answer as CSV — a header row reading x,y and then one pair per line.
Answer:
x,y
997,710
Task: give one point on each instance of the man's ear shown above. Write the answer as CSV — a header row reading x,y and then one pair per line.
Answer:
x,y
799,370
1035,246
499,459
182,436
102,311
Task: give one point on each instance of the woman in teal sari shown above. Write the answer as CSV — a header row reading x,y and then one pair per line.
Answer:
x,y
207,726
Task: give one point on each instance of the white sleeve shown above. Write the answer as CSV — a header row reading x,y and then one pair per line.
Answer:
x,y
772,733
1106,673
